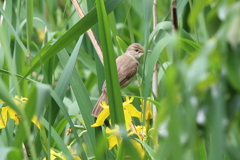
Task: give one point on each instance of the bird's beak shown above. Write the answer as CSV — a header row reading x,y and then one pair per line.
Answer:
x,y
149,51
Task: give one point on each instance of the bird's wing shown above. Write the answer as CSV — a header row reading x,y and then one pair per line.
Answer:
x,y
126,72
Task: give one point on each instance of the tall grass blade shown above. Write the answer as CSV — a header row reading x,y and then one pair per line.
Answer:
x,y
110,69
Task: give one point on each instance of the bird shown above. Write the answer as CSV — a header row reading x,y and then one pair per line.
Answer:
x,y
127,67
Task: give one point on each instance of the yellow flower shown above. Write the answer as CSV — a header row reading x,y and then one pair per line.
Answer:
x,y
141,132
41,35
36,121
115,138
54,155
6,110
4,115
102,116
129,112
138,147
130,108
148,110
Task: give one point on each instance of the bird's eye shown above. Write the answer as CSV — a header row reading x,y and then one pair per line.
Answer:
x,y
136,50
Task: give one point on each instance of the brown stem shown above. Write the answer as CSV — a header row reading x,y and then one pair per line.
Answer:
x,y
154,15
155,72
174,15
89,32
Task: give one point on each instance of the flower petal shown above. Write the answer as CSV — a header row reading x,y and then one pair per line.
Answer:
x,y
138,147
128,101
114,131
104,105
101,118
132,111
13,115
149,114
141,131
112,141
36,121
19,101
128,120
3,118
2,123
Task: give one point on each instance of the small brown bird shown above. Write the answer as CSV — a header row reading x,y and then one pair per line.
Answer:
x,y
127,66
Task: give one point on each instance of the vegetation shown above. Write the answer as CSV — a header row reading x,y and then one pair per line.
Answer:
x,y
183,104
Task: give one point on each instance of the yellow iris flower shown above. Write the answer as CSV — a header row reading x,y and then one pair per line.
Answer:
x,y
115,138
129,112
55,155
149,114
6,110
140,131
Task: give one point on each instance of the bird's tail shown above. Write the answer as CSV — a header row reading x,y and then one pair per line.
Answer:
x,y
97,108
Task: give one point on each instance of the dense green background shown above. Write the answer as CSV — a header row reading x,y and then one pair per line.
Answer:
x,y
198,97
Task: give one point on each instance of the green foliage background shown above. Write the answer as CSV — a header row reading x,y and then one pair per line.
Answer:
x,y
61,75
